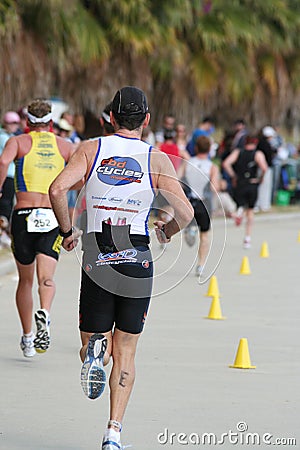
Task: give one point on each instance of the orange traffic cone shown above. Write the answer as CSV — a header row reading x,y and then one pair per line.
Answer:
x,y
213,289
215,312
264,251
242,360
245,267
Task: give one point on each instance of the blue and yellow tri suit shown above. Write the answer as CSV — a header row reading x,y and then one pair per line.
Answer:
x,y
36,170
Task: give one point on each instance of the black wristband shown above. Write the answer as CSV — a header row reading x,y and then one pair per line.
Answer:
x,y
163,230
67,233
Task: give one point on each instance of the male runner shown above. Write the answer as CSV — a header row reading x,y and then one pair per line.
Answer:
x,y
202,177
39,157
122,175
246,167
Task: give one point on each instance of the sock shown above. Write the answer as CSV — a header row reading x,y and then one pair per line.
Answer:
x,y
28,336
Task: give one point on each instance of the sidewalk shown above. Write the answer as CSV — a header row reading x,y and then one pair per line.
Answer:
x,y
184,390
7,264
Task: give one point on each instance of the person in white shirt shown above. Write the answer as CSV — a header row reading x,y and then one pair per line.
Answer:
x,y
122,174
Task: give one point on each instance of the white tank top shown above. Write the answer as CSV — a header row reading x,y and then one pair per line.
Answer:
x,y
119,188
197,175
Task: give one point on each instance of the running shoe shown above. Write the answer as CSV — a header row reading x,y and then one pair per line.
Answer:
x,y
27,346
42,339
247,242
111,445
93,376
239,216
190,234
199,271
111,440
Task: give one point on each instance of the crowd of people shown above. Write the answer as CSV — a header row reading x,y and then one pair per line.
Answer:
x,y
182,177
223,192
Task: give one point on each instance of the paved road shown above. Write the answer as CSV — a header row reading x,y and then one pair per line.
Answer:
x,y
184,384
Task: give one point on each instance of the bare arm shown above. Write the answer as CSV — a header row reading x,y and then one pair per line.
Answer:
x,y
229,161
166,181
215,178
8,155
73,173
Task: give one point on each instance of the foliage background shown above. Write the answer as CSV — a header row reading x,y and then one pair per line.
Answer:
x,y
229,59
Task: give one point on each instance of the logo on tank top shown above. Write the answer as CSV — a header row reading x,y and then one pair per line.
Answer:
x,y
118,171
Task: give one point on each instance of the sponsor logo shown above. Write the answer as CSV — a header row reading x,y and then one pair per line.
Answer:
x,y
124,256
24,211
145,264
88,267
40,213
115,199
95,197
115,208
45,154
118,171
133,201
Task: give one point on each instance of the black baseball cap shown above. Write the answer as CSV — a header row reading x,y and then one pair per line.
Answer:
x,y
129,101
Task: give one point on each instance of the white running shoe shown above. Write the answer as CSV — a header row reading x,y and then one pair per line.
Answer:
x,y
247,242
93,377
111,440
42,339
27,346
190,234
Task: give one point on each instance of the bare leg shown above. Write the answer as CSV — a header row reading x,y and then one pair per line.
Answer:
x,y
123,372
249,221
203,247
45,272
24,299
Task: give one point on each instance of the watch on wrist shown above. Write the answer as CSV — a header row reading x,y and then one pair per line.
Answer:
x,y
67,233
163,230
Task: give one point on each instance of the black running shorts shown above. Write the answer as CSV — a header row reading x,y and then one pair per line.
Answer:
x,y
201,214
246,195
25,246
115,289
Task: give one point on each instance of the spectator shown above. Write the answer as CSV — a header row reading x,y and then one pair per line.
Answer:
x,y
168,124
240,133
107,128
264,196
205,128
11,123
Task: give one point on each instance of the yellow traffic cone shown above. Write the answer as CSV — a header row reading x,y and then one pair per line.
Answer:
x,y
215,312
242,360
264,251
299,236
245,267
213,289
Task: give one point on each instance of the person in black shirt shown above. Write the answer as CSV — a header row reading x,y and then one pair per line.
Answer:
x,y
242,166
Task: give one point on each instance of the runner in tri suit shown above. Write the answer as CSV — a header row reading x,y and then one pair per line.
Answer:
x,y
39,157
246,167
122,176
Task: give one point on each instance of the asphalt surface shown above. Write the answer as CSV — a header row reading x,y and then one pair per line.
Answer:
x,y
185,395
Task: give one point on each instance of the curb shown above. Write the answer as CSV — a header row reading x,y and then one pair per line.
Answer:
x,y
7,265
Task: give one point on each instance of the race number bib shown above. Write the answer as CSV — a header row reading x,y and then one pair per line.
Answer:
x,y
41,220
